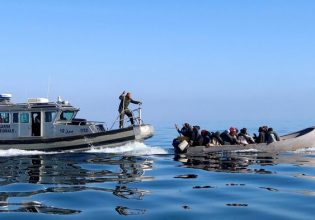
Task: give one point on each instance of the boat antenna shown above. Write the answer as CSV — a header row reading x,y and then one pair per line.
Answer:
x,y
49,86
26,93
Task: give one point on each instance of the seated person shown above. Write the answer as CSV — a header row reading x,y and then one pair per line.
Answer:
x,y
206,138
216,140
272,136
230,137
196,139
261,136
185,131
245,138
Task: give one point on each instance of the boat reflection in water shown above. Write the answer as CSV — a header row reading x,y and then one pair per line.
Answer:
x,y
44,175
225,162
241,162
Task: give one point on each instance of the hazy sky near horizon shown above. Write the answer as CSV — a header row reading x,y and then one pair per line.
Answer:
x,y
187,60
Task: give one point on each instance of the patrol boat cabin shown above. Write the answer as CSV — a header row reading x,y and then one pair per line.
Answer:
x,y
40,124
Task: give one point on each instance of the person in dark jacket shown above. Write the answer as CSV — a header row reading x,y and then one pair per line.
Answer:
x,y
261,136
206,138
36,125
186,130
216,139
125,100
196,139
272,136
225,137
230,137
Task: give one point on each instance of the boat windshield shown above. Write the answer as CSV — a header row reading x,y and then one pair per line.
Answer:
x,y
67,115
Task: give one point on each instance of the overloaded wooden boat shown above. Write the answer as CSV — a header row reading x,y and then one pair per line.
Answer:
x,y
42,125
290,142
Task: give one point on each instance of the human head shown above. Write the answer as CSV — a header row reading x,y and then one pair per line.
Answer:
x,y
186,125
196,128
233,131
244,131
129,95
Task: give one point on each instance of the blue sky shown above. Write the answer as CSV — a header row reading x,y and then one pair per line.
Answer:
x,y
187,60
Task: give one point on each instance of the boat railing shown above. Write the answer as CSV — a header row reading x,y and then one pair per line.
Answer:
x,y
136,114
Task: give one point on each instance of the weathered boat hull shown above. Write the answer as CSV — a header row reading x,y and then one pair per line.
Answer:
x,y
291,142
104,139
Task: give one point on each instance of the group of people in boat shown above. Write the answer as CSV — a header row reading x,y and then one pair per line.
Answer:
x,y
197,137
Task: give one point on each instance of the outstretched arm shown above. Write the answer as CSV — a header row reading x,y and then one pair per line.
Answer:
x,y
135,102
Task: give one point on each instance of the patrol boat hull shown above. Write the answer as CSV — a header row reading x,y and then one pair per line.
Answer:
x,y
103,139
291,142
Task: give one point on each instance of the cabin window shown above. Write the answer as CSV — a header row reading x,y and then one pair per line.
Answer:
x,y
24,118
15,117
4,118
67,115
50,116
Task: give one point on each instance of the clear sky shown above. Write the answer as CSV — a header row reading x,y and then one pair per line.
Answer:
x,y
187,60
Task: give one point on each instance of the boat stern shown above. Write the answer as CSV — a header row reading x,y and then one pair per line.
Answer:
x,y
143,132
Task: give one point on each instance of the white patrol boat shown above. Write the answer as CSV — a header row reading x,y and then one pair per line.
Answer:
x,y
52,126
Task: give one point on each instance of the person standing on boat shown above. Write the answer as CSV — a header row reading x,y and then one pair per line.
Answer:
x,y
125,100
36,125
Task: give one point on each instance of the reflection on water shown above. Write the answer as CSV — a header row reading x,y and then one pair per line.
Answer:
x,y
226,162
100,185
287,175
241,162
126,211
67,173
35,207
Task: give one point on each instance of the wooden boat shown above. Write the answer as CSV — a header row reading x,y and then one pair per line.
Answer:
x,y
41,125
290,142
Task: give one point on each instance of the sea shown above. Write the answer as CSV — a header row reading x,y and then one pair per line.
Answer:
x,y
148,181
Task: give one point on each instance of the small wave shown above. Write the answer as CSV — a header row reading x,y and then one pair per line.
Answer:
x,y
17,152
305,150
133,148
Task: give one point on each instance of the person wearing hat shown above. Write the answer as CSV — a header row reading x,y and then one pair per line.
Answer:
x,y
125,100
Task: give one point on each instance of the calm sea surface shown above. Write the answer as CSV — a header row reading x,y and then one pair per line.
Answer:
x,y
147,181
